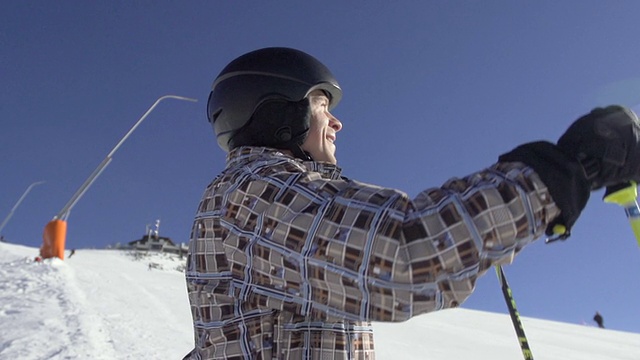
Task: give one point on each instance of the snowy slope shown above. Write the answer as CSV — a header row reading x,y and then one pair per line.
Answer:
x,y
107,304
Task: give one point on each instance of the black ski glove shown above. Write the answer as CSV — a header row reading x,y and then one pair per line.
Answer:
x,y
599,149
562,174
607,144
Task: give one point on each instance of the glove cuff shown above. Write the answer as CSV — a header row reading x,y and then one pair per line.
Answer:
x,y
563,175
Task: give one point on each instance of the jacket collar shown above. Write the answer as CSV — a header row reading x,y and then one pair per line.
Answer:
x,y
270,156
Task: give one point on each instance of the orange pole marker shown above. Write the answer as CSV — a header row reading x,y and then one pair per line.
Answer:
x,y
54,238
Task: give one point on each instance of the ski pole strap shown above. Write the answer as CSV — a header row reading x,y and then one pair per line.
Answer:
x,y
513,312
625,195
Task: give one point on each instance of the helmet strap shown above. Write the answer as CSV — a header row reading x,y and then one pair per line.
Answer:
x,y
300,154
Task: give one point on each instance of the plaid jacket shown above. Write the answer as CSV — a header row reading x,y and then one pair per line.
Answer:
x,y
288,260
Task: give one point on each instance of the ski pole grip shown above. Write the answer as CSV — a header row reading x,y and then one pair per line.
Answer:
x,y
625,195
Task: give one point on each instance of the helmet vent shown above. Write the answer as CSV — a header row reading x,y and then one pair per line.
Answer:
x,y
214,116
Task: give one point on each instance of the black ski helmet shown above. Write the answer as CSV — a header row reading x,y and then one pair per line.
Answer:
x,y
259,98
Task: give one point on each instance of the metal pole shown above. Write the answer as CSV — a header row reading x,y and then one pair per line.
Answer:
x,y
6,220
64,213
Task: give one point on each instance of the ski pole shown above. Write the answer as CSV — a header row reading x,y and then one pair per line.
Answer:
x,y
625,195
513,312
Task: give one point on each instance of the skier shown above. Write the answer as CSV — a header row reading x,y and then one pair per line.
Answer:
x,y
288,259
599,320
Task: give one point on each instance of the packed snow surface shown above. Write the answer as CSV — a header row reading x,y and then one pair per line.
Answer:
x,y
113,304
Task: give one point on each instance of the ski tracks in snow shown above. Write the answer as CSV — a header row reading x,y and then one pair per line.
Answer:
x,y
96,305
146,294
36,295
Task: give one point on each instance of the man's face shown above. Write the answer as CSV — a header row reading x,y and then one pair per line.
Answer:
x,y
322,130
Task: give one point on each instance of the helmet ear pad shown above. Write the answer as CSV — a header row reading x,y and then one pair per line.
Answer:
x,y
275,123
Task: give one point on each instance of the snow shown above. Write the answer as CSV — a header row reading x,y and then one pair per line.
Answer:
x,y
112,304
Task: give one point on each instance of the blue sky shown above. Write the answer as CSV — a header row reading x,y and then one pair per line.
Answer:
x,y
432,90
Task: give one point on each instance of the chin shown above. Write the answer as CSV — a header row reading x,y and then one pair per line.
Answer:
x,y
332,160
322,156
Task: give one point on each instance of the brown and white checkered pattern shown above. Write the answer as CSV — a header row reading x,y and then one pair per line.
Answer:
x,y
288,260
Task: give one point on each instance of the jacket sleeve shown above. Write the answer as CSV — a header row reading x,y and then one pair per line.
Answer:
x,y
341,248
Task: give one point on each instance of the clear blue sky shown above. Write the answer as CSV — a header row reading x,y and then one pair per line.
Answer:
x,y
432,90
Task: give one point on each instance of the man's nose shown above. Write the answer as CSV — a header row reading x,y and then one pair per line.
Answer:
x,y
334,122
